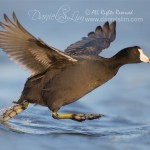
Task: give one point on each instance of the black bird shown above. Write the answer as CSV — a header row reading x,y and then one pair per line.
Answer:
x,y
60,78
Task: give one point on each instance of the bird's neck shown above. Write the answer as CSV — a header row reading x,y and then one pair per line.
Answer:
x,y
118,60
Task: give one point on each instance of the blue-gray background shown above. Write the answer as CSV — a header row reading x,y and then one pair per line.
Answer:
x,y
125,99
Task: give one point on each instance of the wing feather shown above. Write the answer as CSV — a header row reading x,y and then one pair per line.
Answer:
x,y
26,50
95,42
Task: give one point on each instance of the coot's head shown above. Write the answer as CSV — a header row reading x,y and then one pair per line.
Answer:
x,y
134,55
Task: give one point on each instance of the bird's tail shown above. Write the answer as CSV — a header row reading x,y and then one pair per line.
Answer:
x,y
8,113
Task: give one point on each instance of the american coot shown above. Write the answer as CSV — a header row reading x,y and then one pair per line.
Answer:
x,y
60,78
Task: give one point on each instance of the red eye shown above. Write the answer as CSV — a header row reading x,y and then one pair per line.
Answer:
x,y
136,52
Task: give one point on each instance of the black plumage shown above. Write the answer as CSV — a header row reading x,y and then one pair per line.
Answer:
x,y
60,78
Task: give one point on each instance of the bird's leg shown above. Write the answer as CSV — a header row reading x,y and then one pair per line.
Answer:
x,y
76,117
14,110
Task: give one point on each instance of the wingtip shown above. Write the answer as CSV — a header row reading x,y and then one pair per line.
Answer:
x,y
91,34
112,34
14,17
5,17
14,14
113,23
106,24
8,21
106,29
98,28
99,31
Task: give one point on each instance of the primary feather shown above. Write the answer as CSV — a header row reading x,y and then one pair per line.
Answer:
x,y
95,42
30,52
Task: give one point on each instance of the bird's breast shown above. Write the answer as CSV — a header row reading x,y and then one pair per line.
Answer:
x,y
77,80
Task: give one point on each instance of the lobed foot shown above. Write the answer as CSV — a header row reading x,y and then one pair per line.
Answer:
x,y
14,110
83,117
76,117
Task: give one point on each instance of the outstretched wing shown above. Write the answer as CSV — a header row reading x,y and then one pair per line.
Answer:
x,y
95,42
25,49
